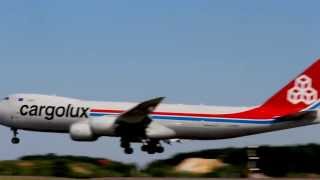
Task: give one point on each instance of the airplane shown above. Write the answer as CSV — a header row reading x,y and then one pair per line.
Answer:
x,y
153,123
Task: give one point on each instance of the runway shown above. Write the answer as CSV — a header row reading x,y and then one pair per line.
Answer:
x,y
115,178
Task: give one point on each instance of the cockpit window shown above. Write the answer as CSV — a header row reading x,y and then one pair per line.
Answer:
x,y
6,98
20,99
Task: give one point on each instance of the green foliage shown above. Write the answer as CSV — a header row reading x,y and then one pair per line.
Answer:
x,y
291,161
60,168
275,161
281,161
66,166
162,170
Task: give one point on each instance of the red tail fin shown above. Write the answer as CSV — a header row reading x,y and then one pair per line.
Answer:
x,y
300,94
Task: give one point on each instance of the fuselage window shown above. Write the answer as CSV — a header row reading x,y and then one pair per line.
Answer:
x,y
20,99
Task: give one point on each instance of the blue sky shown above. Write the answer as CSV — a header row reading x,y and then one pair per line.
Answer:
x,y
224,52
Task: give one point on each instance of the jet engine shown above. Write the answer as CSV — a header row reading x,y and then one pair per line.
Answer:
x,y
103,126
82,132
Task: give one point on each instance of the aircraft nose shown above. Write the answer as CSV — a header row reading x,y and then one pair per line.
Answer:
x,y
4,114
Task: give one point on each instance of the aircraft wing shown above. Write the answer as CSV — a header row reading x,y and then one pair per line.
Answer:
x,y
139,113
134,122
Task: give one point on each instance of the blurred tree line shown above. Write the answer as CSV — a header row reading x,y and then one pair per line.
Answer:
x,y
286,161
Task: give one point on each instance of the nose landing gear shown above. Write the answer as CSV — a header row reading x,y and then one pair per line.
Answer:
x,y
15,139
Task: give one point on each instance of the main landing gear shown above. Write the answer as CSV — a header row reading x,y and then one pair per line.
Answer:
x,y
126,145
15,139
152,147
149,146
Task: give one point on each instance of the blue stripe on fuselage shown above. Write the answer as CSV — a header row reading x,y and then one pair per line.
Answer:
x,y
98,114
314,106
216,120
200,119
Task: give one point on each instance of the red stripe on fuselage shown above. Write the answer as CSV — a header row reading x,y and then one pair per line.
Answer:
x,y
105,111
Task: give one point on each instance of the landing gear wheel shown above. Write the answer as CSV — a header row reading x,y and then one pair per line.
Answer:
x,y
160,149
128,151
15,140
144,148
151,151
126,145
152,146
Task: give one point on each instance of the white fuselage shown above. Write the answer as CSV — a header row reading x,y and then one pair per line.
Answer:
x,y
56,114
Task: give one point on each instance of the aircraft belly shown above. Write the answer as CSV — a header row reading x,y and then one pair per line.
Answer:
x,y
212,131
40,124
201,130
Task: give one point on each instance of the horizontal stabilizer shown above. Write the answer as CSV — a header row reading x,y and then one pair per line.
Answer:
x,y
305,116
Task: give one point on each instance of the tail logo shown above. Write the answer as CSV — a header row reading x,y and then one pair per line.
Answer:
x,y
302,92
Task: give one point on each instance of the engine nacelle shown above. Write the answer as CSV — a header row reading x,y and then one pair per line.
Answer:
x,y
158,131
103,126
82,132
